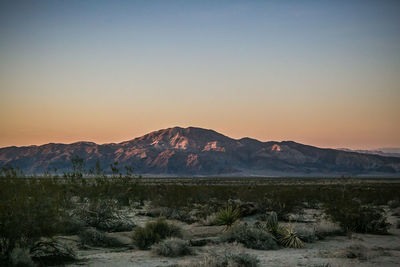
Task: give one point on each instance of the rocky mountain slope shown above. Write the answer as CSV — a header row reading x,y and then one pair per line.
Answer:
x,y
196,151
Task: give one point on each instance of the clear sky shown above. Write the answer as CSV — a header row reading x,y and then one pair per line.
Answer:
x,y
324,73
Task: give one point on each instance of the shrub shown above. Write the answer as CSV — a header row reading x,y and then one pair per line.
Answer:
x,y
104,215
290,239
352,216
29,209
327,228
228,216
52,252
228,259
245,260
182,214
251,237
395,203
21,257
271,225
172,247
306,234
93,237
210,220
357,251
153,232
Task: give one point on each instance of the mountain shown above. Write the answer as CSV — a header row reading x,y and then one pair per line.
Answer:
x,y
200,152
386,152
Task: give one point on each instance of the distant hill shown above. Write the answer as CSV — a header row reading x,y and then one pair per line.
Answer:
x,y
200,152
386,152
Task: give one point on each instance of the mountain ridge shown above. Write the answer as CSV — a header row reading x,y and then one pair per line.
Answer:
x,y
178,151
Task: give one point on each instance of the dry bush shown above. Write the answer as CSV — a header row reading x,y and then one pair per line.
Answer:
x,y
93,237
52,252
210,220
251,237
327,228
172,247
306,234
233,256
103,214
153,232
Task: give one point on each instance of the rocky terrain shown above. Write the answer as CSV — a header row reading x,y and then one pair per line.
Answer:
x,y
201,152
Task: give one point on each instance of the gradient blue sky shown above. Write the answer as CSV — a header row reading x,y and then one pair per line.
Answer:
x,y
325,73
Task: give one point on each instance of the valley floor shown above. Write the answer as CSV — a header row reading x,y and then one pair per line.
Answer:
x,y
354,250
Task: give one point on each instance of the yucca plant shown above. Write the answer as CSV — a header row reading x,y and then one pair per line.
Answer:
x,y
228,217
290,238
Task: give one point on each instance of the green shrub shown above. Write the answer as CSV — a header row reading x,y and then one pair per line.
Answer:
x,y
29,209
228,216
153,232
93,237
251,237
352,216
172,247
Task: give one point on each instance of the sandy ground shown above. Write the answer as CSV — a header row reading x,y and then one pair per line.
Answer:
x,y
376,250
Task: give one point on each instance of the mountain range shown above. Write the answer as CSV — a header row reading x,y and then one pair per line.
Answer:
x,y
387,152
201,152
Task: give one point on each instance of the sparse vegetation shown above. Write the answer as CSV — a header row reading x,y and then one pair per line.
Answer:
x,y
34,208
153,232
172,247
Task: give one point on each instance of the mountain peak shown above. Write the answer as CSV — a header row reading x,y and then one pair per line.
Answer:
x,y
190,138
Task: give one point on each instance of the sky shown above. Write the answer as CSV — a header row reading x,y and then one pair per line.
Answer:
x,y
324,73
